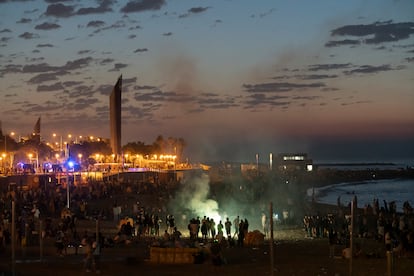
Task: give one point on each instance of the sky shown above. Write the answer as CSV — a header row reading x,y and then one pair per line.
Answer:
x,y
233,78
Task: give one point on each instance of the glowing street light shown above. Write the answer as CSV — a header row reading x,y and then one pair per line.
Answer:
x,y
61,141
80,159
3,161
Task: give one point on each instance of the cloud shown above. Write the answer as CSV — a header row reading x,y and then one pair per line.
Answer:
x,y
118,66
47,26
59,70
38,68
259,100
24,21
332,66
159,96
42,78
106,61
264,14
54,1
95,24
117,25
335,43
198,9
59,10
105,89
5,39
145,87
105,6
27,35
50,88
214,101
369,69
279,87
144,112
316,77
81,103
141,50
44,45
142,5
48,105
194,10
386,31
77,64
83,52
355,102
79,90
11,68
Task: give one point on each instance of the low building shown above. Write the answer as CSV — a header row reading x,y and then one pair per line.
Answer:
x,y
294,162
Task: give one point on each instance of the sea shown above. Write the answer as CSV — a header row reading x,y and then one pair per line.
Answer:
x,y
397,190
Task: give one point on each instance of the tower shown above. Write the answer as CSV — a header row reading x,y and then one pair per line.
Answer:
x,y
115,117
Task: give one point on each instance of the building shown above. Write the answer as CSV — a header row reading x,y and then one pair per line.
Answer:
x,y
115,117
294,162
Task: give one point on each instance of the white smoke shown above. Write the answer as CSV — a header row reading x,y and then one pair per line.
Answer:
x,y
193,199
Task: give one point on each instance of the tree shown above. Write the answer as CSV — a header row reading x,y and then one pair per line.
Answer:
x,y
138,148
159,144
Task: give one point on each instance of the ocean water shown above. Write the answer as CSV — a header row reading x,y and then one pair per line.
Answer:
x,y
398,190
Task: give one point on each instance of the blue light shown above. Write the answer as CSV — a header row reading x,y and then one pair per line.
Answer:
x,y
71,164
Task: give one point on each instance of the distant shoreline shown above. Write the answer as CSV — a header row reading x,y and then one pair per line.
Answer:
x,y
357,164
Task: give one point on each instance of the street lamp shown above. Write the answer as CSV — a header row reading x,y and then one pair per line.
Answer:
x,y
30,158
61,141
2,162
80,159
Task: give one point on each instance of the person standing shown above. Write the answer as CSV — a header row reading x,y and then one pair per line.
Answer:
x,y
241,233
236,223
213,228
88,256
332,242
220,228
59,242
227,225
96,256
204,230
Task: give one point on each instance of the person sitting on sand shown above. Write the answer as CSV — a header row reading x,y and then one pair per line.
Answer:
x,y
346,253
176,234
166,236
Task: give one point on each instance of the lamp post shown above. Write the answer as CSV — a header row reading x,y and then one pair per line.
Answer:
x,y
80,159
61,139
30,155
37,160
67,190
2,162
125,161
69,167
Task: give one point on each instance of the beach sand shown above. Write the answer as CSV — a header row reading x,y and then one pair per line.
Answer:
x,y
293,254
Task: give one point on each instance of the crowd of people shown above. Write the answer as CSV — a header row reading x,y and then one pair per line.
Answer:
x,y
48,205
153,220
395,230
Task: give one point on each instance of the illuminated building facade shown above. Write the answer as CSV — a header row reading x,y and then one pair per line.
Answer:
x,y
294,161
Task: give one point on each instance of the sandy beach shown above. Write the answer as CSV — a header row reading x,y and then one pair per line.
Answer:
x,y
293,254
